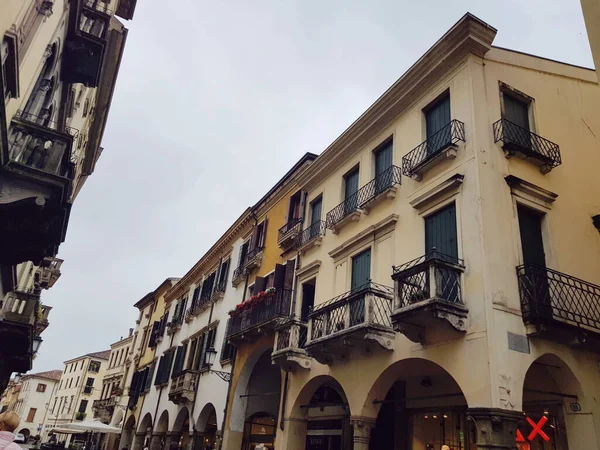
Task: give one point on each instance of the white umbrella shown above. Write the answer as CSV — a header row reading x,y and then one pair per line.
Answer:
x,y
63,430
92,425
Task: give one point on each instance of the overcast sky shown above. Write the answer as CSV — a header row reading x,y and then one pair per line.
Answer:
x,y
215,101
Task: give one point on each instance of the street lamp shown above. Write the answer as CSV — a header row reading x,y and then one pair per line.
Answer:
x,y
211,354
35,346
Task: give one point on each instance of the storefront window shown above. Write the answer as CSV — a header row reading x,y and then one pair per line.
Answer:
x,y
259,432
542,429
433,429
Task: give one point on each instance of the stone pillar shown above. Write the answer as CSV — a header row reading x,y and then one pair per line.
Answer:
x,y
138,441
172,440
496,429
191,440
157,441
362,427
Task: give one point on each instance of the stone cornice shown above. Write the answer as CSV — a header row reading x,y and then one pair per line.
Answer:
x,y
238,229
469,35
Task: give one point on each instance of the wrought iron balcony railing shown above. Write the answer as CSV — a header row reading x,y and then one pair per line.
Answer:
x,y
293,226
516,139
314,231
415,161
548,296
292,336
36,143
262,313
43,119
238,273
253,258
219,289
368,305
364,196
431,276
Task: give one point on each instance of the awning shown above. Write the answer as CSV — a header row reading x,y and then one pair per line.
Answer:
x,y
63,430
91,425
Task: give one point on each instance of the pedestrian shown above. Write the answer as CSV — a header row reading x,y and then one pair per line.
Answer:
x,y
9,421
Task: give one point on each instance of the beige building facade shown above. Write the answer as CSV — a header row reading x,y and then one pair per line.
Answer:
x,y
79,385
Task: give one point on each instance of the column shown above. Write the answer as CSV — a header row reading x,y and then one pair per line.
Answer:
x,y
157,441
362,427
138,441
172,440
496,429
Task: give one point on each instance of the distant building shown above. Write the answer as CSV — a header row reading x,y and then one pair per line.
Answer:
x,y
79,385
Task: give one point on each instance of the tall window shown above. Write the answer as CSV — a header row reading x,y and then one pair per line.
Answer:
x,y
440,232
437,119
294,211
31,415
41,387
83,406
383,161
94,366
350,189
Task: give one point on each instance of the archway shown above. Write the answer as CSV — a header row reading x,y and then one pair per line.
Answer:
x,y
180,436
159,435
556,413
143,434
259,431
418,405
207,428
320,417
127,434
25,432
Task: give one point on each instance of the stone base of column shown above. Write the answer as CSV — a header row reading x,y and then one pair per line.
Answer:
x,y
362,427
496,429
157,441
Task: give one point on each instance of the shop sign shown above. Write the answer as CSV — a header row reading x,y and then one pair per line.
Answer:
x,y
536,430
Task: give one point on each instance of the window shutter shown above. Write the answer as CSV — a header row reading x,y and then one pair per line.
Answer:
x,y
441,233
179,358
199,356
263,239
259,285
254,238
279,276
290,268
192,353
149,375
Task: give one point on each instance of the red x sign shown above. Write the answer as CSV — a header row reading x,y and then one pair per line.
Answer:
x,y
520,437
537,429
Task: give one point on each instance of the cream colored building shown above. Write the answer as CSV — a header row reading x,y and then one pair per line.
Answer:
x,y
59,61
80,384
33,400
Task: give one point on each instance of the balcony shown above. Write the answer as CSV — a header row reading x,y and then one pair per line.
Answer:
x,y
104,408
260,316
441,145
362,201
311,237
183,387
86,43
80,416
520,142
38,182
290,341
238,275
560,307
428,302
42,319
18,316
174,325
360,317
288,233
49,272
253,259
219,290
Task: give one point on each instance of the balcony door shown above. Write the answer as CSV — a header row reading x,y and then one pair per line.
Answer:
x,y
437,118
441,236
316,208
383,161
361,276
517,112
536,290
350,189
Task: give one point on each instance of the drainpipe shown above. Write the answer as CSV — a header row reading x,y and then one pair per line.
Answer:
x,y
226,410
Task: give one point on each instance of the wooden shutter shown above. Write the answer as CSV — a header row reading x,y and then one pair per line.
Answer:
x,y
383,158
316,210
351,184
254,238
178,366
224,270
199,353
290,273
440,231
515,110
259,285
438,116
263,239
361,269
149,376
279,277
192,353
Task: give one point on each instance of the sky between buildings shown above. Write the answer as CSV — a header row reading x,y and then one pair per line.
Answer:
x,y
215,102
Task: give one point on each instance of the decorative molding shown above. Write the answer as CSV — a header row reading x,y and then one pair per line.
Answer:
x,y
384,226
308,270
469,35
438,193
530,192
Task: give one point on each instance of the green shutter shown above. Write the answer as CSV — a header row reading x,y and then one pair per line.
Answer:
x,y
440,231
436,118
516,111
383,159
316,208
361,269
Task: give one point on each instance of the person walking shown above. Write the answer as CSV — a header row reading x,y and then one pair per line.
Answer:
x,y
9,421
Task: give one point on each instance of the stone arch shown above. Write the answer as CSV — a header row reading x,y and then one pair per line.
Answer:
x,y
240,403
128,433
183,416
552,393
311,398
117,418
207,426
25,432
162,425
206,416
145,423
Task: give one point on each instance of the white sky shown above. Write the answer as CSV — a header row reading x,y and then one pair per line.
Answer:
x,y
215,102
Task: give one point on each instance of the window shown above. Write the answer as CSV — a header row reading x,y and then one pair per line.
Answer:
x,y
437,119
384,156
350,189
295,209
31,415
70,383
41,387
71,403
515,109
77,383
10,67
316,207
148,377
83,406
243,253
191,354
440,232
88,388
94,367
258,238
227,352
179,360
361,276
308,298
164,367
224,272
86,107
60,385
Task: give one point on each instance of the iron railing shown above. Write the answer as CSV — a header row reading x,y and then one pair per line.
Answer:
x,y
312,232
364,195
530,144
369,304
292,336
292,225
253,253
238,273
431,276
44,120
270,308
426,151
548,295
220,288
